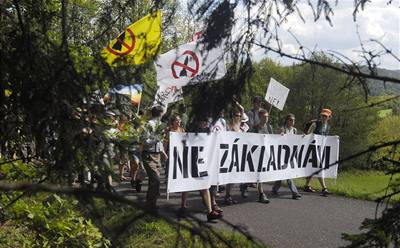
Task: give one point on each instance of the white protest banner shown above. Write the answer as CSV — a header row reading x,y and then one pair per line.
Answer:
x,y
189,156
165,96
276,94
190,63
233,157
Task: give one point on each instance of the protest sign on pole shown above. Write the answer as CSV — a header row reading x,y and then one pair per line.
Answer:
x,y
276,94
197,161
190,63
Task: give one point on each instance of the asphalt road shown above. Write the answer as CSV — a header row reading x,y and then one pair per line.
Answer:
x,y
312,221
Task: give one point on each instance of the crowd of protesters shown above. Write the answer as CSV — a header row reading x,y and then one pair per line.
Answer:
x,y
150,152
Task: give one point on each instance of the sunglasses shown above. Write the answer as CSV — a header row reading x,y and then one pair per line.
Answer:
x,y
238,115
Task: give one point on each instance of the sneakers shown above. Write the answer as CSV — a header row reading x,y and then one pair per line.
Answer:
x,y
308,189
243,190
216,208
214,215
263,198
229,201
296,196
325,192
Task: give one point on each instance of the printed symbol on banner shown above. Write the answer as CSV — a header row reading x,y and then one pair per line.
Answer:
x,y
216,128
121,47
190,64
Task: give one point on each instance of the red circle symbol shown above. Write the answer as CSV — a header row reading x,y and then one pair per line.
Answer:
x,y
122,44
193,69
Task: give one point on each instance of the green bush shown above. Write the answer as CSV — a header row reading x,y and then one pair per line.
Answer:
x,y
49,221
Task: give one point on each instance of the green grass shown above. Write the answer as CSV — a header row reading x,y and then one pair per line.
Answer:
x,y
366,185
152,232
385,112
126,231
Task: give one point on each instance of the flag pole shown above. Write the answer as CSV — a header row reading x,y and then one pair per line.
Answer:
x,y
138,107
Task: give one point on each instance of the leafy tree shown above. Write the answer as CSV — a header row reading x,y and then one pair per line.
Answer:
x,y
51,68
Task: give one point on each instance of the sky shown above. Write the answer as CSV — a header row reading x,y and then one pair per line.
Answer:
x,y
377,21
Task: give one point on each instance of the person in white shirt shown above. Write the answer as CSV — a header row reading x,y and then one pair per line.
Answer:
x,y
288,128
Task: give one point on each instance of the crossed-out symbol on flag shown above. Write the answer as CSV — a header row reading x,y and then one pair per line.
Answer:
x,y
116,49
190,64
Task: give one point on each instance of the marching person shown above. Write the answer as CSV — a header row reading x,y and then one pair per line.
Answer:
x,y
122,149
253,113
175,123
288,128
218,125
137,171
265,128
320,127
212,213
152,150
236,124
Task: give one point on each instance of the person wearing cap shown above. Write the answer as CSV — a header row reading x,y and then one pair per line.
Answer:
x,y
320,127
288,128
253,113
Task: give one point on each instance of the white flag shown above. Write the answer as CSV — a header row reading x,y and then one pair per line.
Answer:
x,y
165,96
190,63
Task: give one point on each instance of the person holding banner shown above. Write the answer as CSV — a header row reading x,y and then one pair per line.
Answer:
x,y
237,124
320,127
208,195
175,126
288,128
218,125
152,150
265,128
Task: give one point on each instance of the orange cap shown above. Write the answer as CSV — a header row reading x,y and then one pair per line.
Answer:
x,y
326,112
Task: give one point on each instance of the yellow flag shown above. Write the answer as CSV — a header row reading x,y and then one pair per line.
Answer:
x,y
137,43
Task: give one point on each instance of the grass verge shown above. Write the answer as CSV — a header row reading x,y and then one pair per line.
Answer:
x,y
365,185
